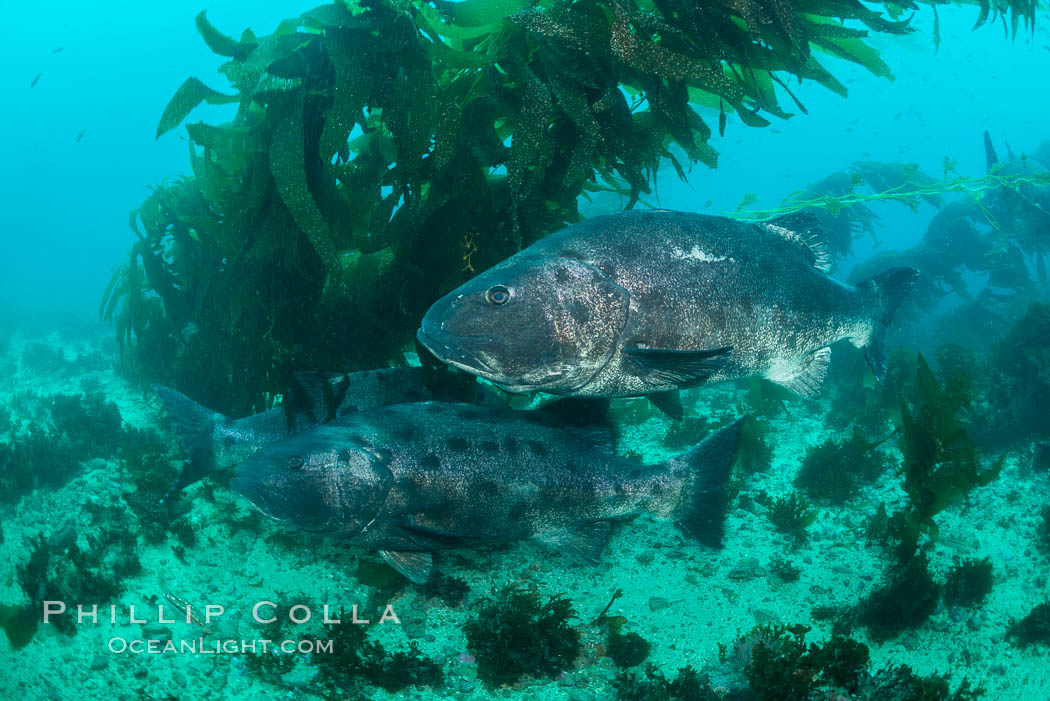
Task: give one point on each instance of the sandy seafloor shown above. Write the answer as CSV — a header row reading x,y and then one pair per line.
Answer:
x,y
683,597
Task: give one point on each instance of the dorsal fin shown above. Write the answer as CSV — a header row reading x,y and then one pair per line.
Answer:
x,y
990,158
587,417
804,229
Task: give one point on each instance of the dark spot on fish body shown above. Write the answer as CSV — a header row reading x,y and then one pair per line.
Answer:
x,y
434,409
404,434
467,414
579,311
518,510
553,494
510,444
430,461
490,446
488,489
561,276
457,444
537,448
228,440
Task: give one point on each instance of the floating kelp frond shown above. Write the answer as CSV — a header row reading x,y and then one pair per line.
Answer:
x,y
909,193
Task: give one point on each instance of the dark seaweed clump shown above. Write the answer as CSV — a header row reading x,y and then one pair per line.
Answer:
x,y
941,462
59,569
86,426
781,665
1042,534
451,590
906,599
1019,382
783,569
754,452
902,684
89,422
5,419
792,515
687,685
43,358
517,633
145,458
833,471
355,660
969,583
49,453
1033,629
1040,456
269,665
34,460
627,649
776,663
855,398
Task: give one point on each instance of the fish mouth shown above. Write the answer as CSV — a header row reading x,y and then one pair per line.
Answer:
x,y
272,506
456,356
249,489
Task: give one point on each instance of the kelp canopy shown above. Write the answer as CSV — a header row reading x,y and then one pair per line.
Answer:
x,y
384,150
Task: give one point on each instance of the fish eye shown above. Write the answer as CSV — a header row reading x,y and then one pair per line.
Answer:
x,y
498,295
295,462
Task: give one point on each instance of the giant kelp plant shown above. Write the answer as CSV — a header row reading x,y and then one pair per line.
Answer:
x,y
384,150
941,463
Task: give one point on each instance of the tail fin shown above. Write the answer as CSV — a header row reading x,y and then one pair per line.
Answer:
x,y
195,427
887,290
702,509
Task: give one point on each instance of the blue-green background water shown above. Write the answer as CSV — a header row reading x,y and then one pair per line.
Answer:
x,y
66,203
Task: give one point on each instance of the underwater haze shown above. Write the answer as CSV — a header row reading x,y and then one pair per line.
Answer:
x,y
555,349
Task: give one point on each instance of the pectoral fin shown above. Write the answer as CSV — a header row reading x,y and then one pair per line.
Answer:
x,y
584,543
807,377
427,536
415,566
684,368
669,402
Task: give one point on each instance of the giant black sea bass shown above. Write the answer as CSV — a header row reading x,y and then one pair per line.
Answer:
x,y
649,302
410,479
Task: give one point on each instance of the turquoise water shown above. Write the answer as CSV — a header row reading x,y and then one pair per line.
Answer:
x,y
868,515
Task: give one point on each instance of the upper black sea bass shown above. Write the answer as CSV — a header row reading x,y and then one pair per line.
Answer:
x,y
639,303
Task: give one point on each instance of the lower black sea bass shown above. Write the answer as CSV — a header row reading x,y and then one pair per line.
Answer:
x,y
414,478
649,302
